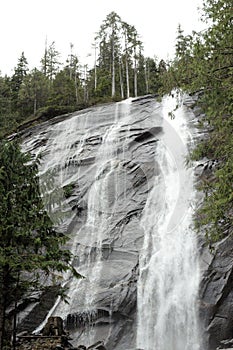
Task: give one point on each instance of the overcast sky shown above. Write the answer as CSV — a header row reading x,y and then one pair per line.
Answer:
x,y
25,24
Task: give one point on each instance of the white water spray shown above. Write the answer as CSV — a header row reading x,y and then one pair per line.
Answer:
x,y
102,203
169,272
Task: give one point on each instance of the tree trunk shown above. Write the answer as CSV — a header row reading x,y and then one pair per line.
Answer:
x,y
2,322
135,83
135,74
121,80
4,283
95,69
14,327
14,331
113,71
127,75
147,78
76,87
35,106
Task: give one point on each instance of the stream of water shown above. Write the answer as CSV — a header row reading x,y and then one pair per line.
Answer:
x,y
135,240
169,270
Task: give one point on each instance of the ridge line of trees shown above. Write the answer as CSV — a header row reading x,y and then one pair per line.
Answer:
x,y
32,251
120,71
203,64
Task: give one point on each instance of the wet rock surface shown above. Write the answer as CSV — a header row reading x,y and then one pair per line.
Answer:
x,y
217,295
226,344
113,317
130,167
53,337
216,262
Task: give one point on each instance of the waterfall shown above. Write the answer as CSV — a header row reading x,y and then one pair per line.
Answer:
x,y
169,271
103,200
128,215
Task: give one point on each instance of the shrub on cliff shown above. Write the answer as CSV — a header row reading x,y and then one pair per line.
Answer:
x,y
204,63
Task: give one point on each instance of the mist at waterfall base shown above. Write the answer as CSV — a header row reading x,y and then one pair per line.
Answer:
x,y
129,219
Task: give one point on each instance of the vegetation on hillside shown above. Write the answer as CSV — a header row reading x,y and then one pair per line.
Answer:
x,y
120,70
31,249
204,65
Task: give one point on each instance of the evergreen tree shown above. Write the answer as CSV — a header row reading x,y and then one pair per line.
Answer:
x,y
7,117
128,37
33,93
137,52
63,91
119,53
109,37
29,244
5,95
74,72
120,70
17,79
204,63
153,75
50,61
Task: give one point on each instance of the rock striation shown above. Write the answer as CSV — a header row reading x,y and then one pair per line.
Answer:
x,y
216,294
118,140
216,298
75,151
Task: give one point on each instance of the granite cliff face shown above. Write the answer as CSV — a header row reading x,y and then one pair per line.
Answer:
x,y
216,284
216,295
98,168
113,145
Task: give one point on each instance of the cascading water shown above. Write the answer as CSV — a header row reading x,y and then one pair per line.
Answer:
x,y
103,201
128,216
169,271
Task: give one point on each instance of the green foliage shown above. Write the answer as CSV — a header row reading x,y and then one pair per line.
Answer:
x,y
33,93
120,71
30,245
50,61
17,79
204,64
63,89
68,190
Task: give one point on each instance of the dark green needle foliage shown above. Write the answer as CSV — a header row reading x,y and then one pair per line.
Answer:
x,y
30,247
204,65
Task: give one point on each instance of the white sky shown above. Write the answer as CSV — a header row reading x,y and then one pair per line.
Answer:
x,y
24,25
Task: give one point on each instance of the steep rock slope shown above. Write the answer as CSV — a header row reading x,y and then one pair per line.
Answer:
x,y
104,157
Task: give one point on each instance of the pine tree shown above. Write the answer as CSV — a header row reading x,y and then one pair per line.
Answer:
x,y
63,92
109,37
33,93
50,61
119,52
29,244
7,118
204,64
74,72
17,79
